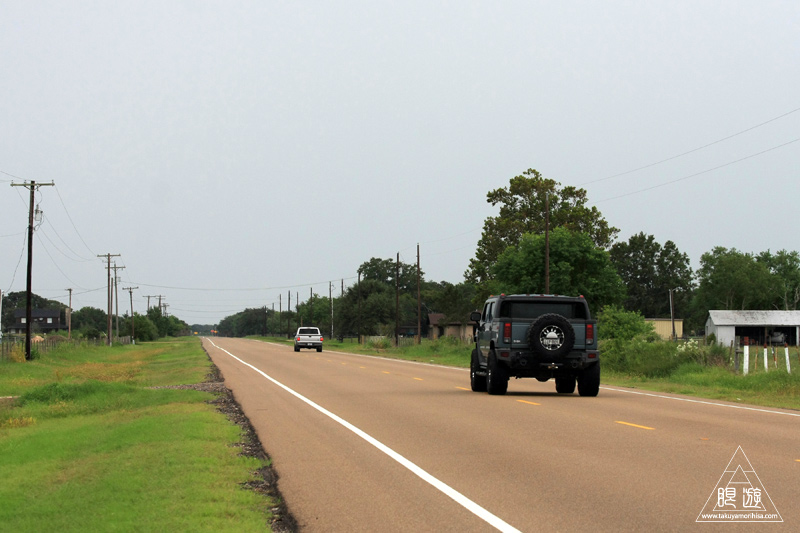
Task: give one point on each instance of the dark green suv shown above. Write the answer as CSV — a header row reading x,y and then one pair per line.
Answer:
x,y
535,336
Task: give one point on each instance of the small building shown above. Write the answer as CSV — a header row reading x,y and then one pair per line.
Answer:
x,y
42,320
663,327
439,327
754,327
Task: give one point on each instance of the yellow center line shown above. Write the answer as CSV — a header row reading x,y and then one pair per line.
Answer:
x,y
797,460
419,379
385,372
632,425
529,403
462,388
362,367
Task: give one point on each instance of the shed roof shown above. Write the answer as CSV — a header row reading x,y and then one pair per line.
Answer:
x,y
755,318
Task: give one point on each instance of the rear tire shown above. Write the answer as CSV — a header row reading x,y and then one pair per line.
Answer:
x,y
496,377
589,381
296,348
319,349
478,383
565,385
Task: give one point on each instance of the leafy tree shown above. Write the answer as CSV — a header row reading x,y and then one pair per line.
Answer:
x,y
89,318
649,272
454,301
577,267
785,283
167,326
385,271
523,210
730,279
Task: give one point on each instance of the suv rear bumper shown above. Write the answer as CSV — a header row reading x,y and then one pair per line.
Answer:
x,y
528,364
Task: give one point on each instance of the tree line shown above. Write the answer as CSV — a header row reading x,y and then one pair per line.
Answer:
x,y
538,215
92,323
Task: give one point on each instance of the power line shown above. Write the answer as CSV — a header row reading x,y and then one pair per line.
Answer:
x,y
697,173
691,151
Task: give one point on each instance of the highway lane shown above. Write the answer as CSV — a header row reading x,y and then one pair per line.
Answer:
x,y
531,460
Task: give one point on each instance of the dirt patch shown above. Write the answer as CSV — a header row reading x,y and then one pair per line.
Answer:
x,y
266,481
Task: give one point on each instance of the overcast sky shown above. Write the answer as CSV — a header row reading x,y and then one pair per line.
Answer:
x,y
234,151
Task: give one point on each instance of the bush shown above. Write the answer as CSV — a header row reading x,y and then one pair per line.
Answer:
x,y
615,323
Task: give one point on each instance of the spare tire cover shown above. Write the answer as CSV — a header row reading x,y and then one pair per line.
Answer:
x,y
551,336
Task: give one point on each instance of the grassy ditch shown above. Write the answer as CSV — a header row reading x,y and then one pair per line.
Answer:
x,y
642,363
89,445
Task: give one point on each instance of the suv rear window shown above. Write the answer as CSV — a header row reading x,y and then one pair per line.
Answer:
x,y
532,310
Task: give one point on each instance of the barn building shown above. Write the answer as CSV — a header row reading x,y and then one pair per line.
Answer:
x,y
754,327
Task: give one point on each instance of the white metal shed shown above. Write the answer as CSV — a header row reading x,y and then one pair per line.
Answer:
x,y
758,326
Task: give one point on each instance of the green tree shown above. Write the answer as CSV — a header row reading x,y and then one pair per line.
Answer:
x,y
577,267
730,279
523,210
785,283
454,301
649,272
89,319
385,271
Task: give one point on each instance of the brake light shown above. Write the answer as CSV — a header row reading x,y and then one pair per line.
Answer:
x,y
589,333
507,333
298,338
321,339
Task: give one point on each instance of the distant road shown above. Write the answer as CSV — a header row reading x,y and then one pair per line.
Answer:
x,y
371,444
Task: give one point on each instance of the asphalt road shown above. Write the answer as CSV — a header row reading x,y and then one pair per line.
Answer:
x,y
372,444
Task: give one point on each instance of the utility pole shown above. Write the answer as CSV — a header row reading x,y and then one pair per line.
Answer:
x,y
116,297
359,307
31,186
280,317
69,316
547,242
330,299
289,316
108,316
672,312
133,330
397,301
419,303
148,300
1,316
311,306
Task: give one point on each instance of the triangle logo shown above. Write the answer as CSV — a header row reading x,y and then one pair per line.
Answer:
x,y
739,495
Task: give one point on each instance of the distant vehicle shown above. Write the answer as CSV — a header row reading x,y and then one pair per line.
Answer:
x,y
308,338
535,336
776,337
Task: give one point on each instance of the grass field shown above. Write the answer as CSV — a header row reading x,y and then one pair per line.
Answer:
x,y
88,445
773,388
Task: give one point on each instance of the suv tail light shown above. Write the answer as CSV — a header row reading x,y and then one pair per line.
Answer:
x,y
589,333
507,333
321,339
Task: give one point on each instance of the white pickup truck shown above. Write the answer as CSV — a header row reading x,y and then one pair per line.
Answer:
x,y
308,338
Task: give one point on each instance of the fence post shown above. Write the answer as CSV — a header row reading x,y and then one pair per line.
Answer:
x,y
746,359
766,359
788,364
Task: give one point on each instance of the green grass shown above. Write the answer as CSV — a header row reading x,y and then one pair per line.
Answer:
x,y
88,446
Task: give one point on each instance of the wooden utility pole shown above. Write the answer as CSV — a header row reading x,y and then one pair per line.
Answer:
x,y
288,316
108,315
116,298
397,301
31,186
280,317
359,307
69,316
133,330
311,306
547,243
330,299
419,303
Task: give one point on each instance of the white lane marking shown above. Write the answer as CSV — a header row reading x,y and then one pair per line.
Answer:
x,y
459,498
702,401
